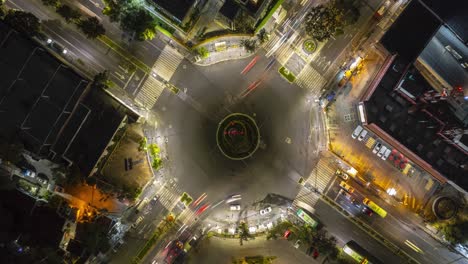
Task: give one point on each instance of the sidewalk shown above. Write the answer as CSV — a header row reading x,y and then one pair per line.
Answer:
x,y
230,48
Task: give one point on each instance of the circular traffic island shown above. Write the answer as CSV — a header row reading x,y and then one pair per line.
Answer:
x,y
309,46
237,136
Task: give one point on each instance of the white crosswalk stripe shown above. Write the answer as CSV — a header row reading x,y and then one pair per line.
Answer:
x,y
167,63
319,178
310,79
274,38
168,196
150,92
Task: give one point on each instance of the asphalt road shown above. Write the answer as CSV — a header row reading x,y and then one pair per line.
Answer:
x,y
190,122
393,226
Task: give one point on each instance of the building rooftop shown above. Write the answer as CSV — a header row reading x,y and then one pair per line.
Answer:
x,y
229,9
38,225
37,91
393,103
411,32
89,131
177,8
454,13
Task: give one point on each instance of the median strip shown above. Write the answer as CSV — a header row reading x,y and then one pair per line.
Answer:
x,y
119,50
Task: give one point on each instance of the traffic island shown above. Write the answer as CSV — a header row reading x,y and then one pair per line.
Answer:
x,y
309,46
287,74
238,136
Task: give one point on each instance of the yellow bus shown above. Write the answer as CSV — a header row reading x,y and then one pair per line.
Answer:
x,y
374,207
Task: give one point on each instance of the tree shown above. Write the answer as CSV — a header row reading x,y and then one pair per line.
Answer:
x,y
244,233
203,52
456,232
2,8
91,27
23,22
11,151
249,44
263,36
140,22
323,21
68,13
53,3
101,80
113,10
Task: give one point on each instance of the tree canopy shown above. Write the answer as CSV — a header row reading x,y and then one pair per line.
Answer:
x,y
91,27
23,22
53,3
68,13
250,45
323,21
457,232
132,17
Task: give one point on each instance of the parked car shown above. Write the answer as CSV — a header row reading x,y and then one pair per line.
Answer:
x,y
342,175
235,207
28,173
381,151
386,154
42,179
346,187
356,132
362,135
377,147
265,211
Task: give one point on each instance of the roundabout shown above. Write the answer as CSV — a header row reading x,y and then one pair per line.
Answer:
x,y
238,136
221,143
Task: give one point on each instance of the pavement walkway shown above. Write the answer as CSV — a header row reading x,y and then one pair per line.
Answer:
x,y
229,48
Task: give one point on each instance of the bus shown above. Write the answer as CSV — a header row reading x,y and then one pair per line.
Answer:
x,y
358,253
374,207
304,216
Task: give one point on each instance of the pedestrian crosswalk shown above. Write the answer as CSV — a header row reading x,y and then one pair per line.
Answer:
x,y
319,178
168,196
150,92
167,63
311,79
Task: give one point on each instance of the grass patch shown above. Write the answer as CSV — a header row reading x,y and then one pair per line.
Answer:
x,y
287,74
114,46
268,15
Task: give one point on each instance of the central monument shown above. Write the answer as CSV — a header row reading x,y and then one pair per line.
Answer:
x,y
238,136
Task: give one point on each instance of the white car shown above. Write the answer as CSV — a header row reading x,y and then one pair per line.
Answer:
x,y
356,132
362,135
265,211
377,147
235,207
382,151
386,154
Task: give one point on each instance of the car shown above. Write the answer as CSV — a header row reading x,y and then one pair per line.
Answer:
x,y
28,173
356,132
265,211
367,211
346,187
464,65
235,207
377,147
342,175
362,135
297,244
386,154
381,151
42,179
